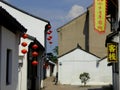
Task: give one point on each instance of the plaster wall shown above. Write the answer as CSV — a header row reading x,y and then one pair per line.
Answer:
x,y
9,41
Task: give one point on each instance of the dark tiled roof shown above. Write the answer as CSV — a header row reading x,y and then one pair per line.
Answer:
x,y
10,22
78,47
24,12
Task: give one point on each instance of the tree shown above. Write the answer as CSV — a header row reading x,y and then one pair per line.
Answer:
x,y
55,50
53,57
84,77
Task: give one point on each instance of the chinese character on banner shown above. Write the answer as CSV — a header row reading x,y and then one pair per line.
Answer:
x,y
112,52
100,15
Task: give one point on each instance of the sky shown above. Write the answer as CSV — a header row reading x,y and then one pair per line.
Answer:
x,y
58,12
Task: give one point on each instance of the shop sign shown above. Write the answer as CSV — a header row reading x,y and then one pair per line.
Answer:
x,y
112,52
100,15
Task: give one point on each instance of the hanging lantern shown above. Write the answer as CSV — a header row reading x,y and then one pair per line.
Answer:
x,y
49,26
50,42
34,63
48,38
34,54
35,46
24,51
24,44
50,31
25,35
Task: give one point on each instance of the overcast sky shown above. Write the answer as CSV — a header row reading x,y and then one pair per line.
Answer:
x,y
58,12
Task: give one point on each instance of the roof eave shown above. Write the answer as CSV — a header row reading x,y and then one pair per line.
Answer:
x,y
10,22
24,12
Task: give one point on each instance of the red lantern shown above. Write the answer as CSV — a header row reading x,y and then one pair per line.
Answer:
x,y
48,26
50,42
48,38
24,51
48,32
34,63
25,35
24,44
35,46
34,54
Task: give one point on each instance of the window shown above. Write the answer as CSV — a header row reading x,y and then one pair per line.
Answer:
x,y
8,67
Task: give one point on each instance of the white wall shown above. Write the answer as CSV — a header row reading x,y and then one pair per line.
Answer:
x,y
48,71
34,26
70,71
22,79
104,72
9,41
73,64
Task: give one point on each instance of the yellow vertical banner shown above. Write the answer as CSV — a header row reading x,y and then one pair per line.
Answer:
x,y
100,15
112,52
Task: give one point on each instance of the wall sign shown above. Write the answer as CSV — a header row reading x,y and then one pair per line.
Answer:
x,y
112,52
100,15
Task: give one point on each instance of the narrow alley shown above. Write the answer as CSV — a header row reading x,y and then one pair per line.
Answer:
x,y
49,84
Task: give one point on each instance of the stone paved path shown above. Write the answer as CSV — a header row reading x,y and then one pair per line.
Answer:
x,y
50,85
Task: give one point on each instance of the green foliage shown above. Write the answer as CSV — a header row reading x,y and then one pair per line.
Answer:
x,y
84,77
52,57
55,50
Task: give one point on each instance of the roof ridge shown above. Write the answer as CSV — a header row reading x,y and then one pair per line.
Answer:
x,y
77,47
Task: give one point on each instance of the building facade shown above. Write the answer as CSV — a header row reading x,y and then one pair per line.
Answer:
x,y
10,33
36,27
77,61
33,24
81,31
